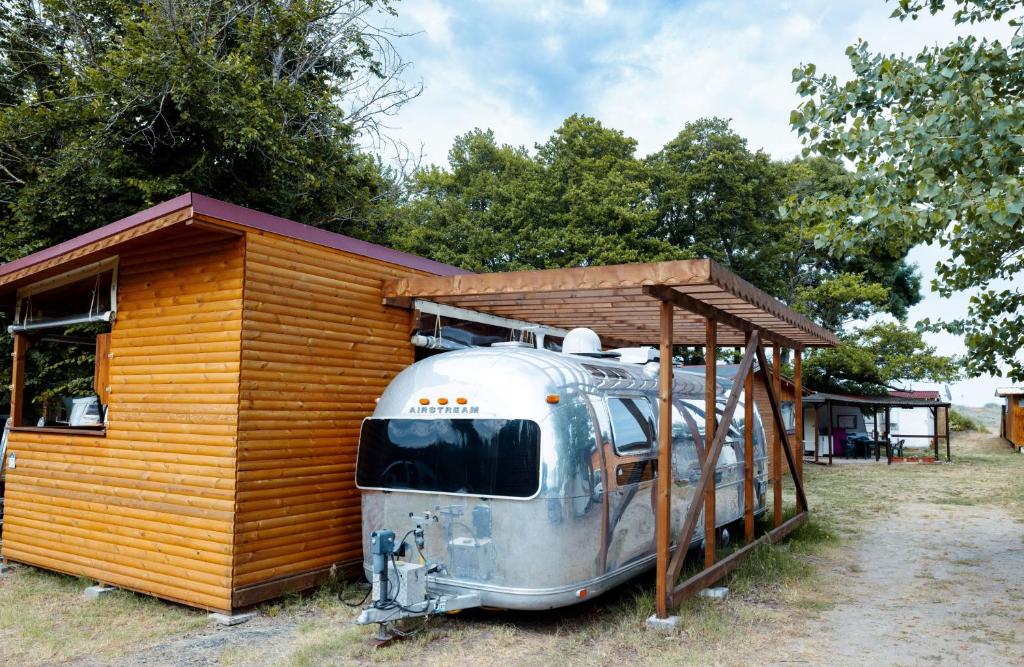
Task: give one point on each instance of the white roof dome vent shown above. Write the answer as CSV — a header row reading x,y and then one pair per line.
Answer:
x,y
581,341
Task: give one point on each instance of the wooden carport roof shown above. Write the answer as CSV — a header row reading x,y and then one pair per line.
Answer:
x,y
622,302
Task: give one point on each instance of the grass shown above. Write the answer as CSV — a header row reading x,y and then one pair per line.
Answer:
x,y
779,596
44,619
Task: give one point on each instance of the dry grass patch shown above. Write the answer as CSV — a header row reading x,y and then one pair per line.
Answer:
x,y
44,619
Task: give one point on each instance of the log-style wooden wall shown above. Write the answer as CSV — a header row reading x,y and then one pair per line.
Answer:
x,y
318,347
149,506
765,410
1014,419
241,367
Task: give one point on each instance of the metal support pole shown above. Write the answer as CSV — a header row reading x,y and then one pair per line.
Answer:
x,y
798,407
817,434
710,422
777,441
663,519
831,433
945,411
748,455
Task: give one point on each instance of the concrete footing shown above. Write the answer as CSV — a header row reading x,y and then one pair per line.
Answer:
x,y
670,623
98,591
231,619
718,593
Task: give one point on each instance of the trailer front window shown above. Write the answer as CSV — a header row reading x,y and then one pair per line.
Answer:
x,y
478,457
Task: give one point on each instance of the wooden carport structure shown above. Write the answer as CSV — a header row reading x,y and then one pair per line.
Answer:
x,y
688,302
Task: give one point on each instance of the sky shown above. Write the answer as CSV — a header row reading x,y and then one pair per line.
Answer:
x,y
519,67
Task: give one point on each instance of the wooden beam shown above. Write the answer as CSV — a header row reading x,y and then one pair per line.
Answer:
x,y
742,289
748,447
101,371
710,423
687,302
777,441
21,347
664,504
707,473
629,276
776,409
710,575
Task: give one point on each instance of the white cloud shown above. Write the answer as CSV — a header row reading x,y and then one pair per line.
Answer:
x,y
433,18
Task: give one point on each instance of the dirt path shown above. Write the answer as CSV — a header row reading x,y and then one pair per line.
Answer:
x,y
929,584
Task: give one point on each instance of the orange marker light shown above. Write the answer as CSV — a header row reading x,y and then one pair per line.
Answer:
x,y
442,401
461,401
581,593
424,401
553,398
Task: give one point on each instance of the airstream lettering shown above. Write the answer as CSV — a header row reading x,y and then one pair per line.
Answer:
x,y
541,493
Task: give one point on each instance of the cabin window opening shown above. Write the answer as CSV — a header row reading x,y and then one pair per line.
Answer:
x,y
633,422
477,457
61,334
788,415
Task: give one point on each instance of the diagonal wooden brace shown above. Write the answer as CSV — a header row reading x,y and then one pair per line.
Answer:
x,y
707,472
780,426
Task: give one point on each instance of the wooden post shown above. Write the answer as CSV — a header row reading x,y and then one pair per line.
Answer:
x,y
663,519
831,433
710,422
777,441
874,414
707,470
935,432
888,436
798,407
748,454
21,346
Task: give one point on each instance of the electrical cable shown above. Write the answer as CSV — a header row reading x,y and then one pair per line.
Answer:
x,y
357,604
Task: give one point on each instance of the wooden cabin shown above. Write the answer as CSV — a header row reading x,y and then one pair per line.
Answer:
x,y
787,404
236,354
1012,424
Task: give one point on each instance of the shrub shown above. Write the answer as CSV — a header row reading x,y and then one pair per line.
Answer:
x,y
961,422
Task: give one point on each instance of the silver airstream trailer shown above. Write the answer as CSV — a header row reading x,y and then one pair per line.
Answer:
x,y
524,478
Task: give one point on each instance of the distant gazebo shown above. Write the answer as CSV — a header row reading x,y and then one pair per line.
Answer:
x,y
839,426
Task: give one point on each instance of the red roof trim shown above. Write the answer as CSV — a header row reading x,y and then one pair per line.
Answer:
x,y
923,394
247,218
142,217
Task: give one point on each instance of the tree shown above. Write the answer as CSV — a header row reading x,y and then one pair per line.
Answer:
x,y
478,213
876,358
935,141
716,198
581,200
109,106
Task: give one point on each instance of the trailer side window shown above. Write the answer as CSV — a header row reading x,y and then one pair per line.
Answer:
x,y
632,424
